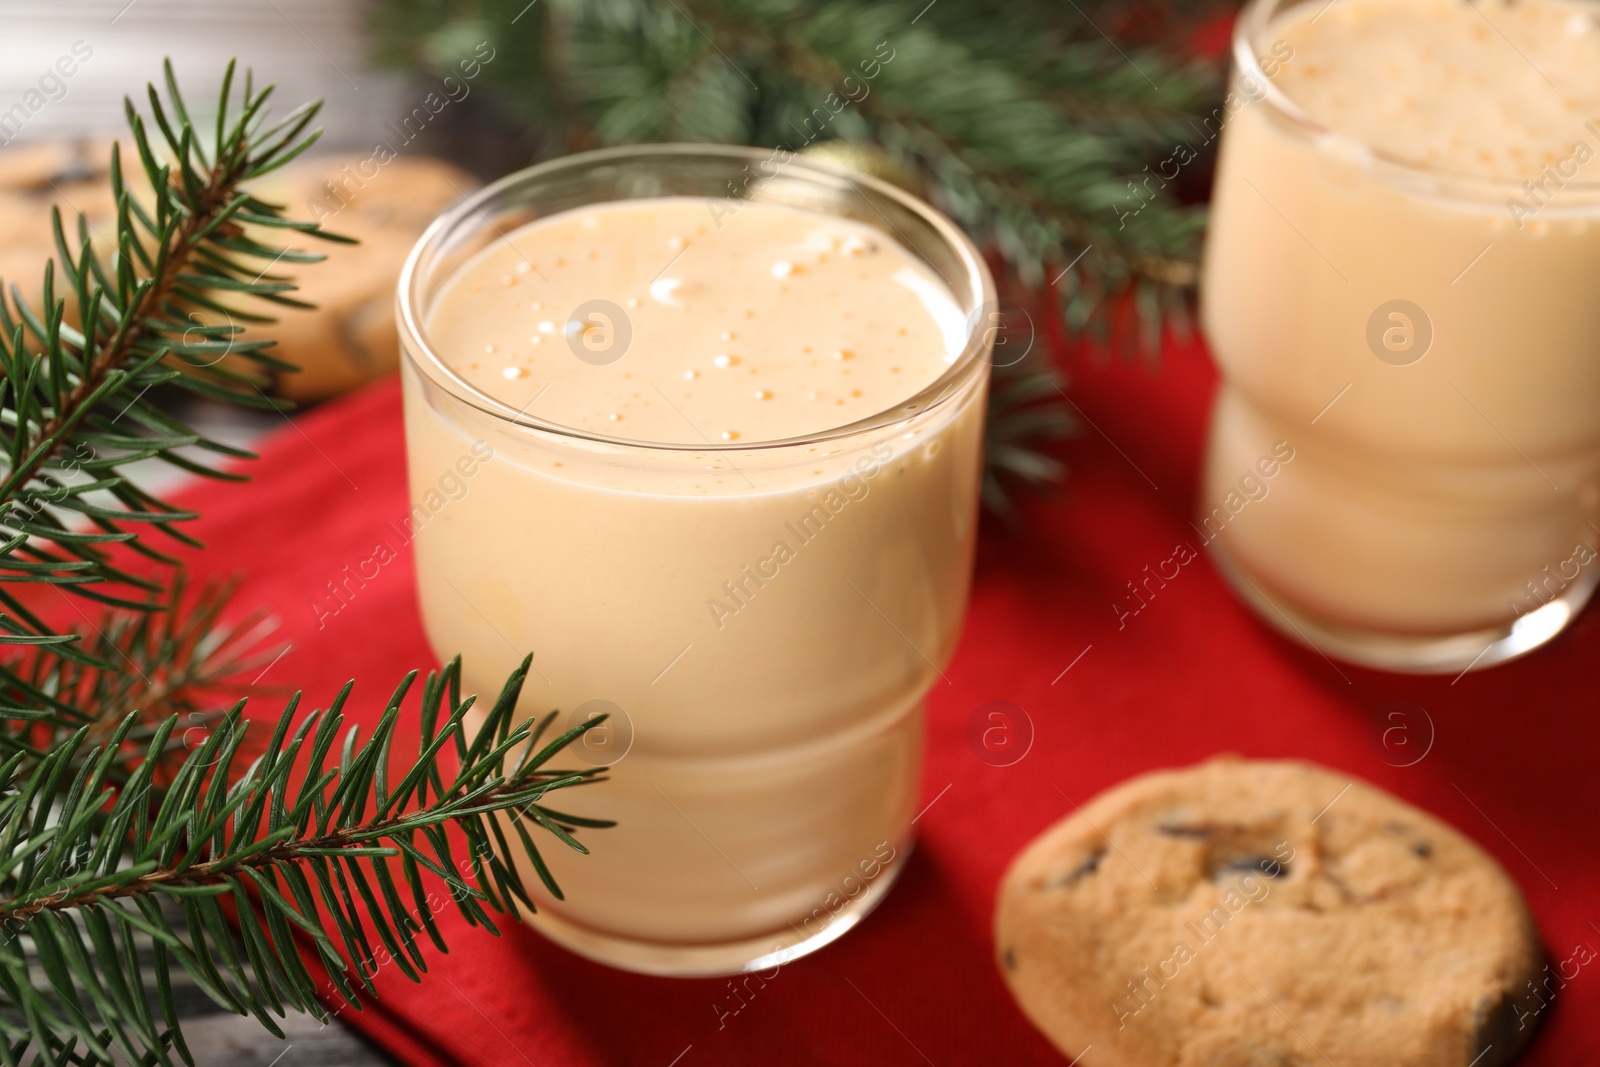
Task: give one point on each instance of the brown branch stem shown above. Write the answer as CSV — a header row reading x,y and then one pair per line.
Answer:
x,y
218,871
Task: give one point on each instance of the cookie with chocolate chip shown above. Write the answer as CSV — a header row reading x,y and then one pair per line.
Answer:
x,y
384,202
1247,913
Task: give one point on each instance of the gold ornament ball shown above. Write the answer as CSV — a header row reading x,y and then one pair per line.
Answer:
x,y
868,159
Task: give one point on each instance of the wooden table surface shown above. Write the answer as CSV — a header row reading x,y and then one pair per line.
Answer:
x,y
223,1039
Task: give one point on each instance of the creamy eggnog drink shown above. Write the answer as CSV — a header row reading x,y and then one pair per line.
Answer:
x,y
726,453
1399,288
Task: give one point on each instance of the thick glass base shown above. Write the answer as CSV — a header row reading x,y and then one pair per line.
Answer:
x,y
759,953
1409,653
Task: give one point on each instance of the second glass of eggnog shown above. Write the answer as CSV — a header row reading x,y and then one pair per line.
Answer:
x,y
715,422
1399,289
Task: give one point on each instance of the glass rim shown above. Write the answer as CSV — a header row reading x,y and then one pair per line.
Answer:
x,y
1257,15
416,347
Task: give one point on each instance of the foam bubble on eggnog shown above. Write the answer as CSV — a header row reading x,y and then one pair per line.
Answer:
x,y
778,323
1493,89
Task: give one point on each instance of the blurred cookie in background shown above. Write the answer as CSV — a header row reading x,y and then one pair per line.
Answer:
x,y
33,177
350,337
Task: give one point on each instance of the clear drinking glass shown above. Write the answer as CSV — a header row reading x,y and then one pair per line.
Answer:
x,y
1404,462
763,766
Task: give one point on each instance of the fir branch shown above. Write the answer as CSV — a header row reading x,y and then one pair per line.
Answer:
x,y
181,660
302,831
978,127
146,312
1140,92
1001,117
1024,410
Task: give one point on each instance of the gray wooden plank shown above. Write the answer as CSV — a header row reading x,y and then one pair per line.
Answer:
x,y
222,1040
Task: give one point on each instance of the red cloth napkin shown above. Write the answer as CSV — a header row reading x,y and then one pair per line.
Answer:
x,y
1512,762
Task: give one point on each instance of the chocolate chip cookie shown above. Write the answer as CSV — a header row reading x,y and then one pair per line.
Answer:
x,y
1247,913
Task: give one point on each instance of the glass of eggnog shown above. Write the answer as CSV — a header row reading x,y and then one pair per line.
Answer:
x,y
1399,288
701,428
